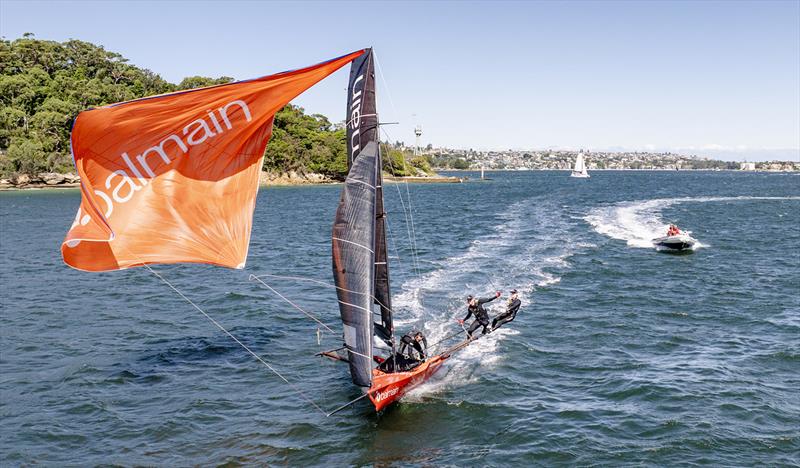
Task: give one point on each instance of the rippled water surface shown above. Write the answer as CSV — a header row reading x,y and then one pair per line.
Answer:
x,y
620,354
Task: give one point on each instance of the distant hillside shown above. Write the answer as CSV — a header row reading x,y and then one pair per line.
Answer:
x,y
45,84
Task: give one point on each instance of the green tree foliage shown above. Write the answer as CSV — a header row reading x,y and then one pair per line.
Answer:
x,y
401,163
45,84
394,161
193,82
448,161
306,143
43,87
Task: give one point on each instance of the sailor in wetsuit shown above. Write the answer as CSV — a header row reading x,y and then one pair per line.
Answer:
x,y
414,346
511,311
413,351
481,316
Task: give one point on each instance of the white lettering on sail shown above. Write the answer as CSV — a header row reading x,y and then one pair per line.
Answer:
x,y
109,203
355,120
144,166
223,111
126,180
159,149
191,137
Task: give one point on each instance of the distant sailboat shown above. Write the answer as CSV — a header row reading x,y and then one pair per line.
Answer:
x,y
580,167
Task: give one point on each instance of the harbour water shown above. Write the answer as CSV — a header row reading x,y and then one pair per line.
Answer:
x,y
620,355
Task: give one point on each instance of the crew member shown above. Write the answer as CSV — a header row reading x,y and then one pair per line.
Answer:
x,y
481,316
412,352
414,346
673,230
512,306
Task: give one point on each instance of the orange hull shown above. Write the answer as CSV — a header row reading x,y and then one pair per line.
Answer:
x,y
388,388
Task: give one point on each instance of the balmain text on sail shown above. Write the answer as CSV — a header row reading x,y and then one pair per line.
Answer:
x,y
144,166
355,119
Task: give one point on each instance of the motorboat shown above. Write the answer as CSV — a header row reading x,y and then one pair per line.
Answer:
x,y
675,243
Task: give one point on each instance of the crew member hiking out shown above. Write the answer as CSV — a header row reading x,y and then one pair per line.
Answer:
x,y
475,308
512,306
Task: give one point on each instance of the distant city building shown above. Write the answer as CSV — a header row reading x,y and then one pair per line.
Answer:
x,y
450,158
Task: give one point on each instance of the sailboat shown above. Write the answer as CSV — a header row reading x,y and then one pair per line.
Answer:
x,y
359,254
173,179
580,167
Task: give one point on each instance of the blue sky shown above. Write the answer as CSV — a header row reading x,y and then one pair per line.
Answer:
x,y
713,78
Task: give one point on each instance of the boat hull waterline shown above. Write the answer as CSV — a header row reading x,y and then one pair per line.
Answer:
x,y
677,243
389,387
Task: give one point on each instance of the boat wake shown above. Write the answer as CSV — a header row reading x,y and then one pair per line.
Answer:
x,y
639,222
516,254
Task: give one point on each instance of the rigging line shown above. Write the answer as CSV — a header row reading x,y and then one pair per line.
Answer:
x,y
394,243
323,283
414,263
413,234
415,257
389,228
408,231
413,231
385,84
296,389
254,277
414,267
347,404
446,338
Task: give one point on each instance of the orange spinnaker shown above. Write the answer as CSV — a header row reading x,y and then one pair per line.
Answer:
x,y
173,178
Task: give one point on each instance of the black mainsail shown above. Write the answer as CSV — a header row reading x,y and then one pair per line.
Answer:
x,y
360,262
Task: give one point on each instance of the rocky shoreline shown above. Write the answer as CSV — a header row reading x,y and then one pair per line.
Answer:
x,y
41,180
70,180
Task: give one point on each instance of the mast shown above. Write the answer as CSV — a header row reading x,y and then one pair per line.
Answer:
x,y
362,129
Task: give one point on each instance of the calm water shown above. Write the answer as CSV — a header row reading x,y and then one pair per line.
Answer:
x,y
620,355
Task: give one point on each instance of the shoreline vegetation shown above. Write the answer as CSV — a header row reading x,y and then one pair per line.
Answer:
x,y
45,84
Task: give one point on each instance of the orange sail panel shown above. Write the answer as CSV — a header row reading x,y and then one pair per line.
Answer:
x,y
173,178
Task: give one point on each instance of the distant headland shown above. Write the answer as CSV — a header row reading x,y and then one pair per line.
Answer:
x,y
458,159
